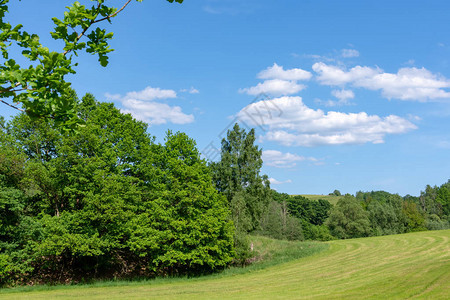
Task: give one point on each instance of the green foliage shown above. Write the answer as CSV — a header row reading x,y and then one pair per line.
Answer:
x,y
385,212
238,172
336,193
348,219
279,224
41,88
433,222
414,219
316,232
314,212
311,214
107,202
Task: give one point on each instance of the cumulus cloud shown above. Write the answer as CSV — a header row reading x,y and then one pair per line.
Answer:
x,y
300,125
277,72
276,182
150,93
278,81
347,53
334,75
276,87
407,84
279,159
142,106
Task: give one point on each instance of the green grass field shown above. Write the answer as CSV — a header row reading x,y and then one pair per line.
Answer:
x,y
415,265
331,198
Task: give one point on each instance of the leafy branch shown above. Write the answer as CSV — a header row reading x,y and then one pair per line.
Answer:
x,y
41,89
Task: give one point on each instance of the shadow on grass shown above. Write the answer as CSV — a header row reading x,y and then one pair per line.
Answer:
x,y
267,253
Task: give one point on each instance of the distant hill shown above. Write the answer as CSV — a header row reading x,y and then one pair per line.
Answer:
x,y
332,198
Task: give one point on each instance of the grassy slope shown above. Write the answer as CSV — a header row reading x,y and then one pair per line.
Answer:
x,y
332,198
415,265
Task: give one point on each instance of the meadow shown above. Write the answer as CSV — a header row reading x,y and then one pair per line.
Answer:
x,y
333,199
413,265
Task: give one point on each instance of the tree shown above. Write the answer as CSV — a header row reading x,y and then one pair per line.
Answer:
x,y
41,88
443,198
348,219
312,211
238,171
107,201
279,224
414,219
336,193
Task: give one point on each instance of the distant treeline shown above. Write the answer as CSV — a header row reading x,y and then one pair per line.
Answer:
x,y
366,214
108,201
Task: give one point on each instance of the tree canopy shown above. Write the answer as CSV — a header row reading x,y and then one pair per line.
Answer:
x,y
107,201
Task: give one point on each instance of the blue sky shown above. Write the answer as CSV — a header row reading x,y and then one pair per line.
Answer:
x,y
356,93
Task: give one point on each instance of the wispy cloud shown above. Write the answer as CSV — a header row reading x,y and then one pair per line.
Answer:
x,y
347,53
343,96
276,182
192,90
279,159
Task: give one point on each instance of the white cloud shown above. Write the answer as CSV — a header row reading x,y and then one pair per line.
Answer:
x,y
278,159
347,53
299,125
277,72
334,75
141,105
192,90
414,118
274,87
319,58
150,93
156,113
274,181
343,95
278,81
407,84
